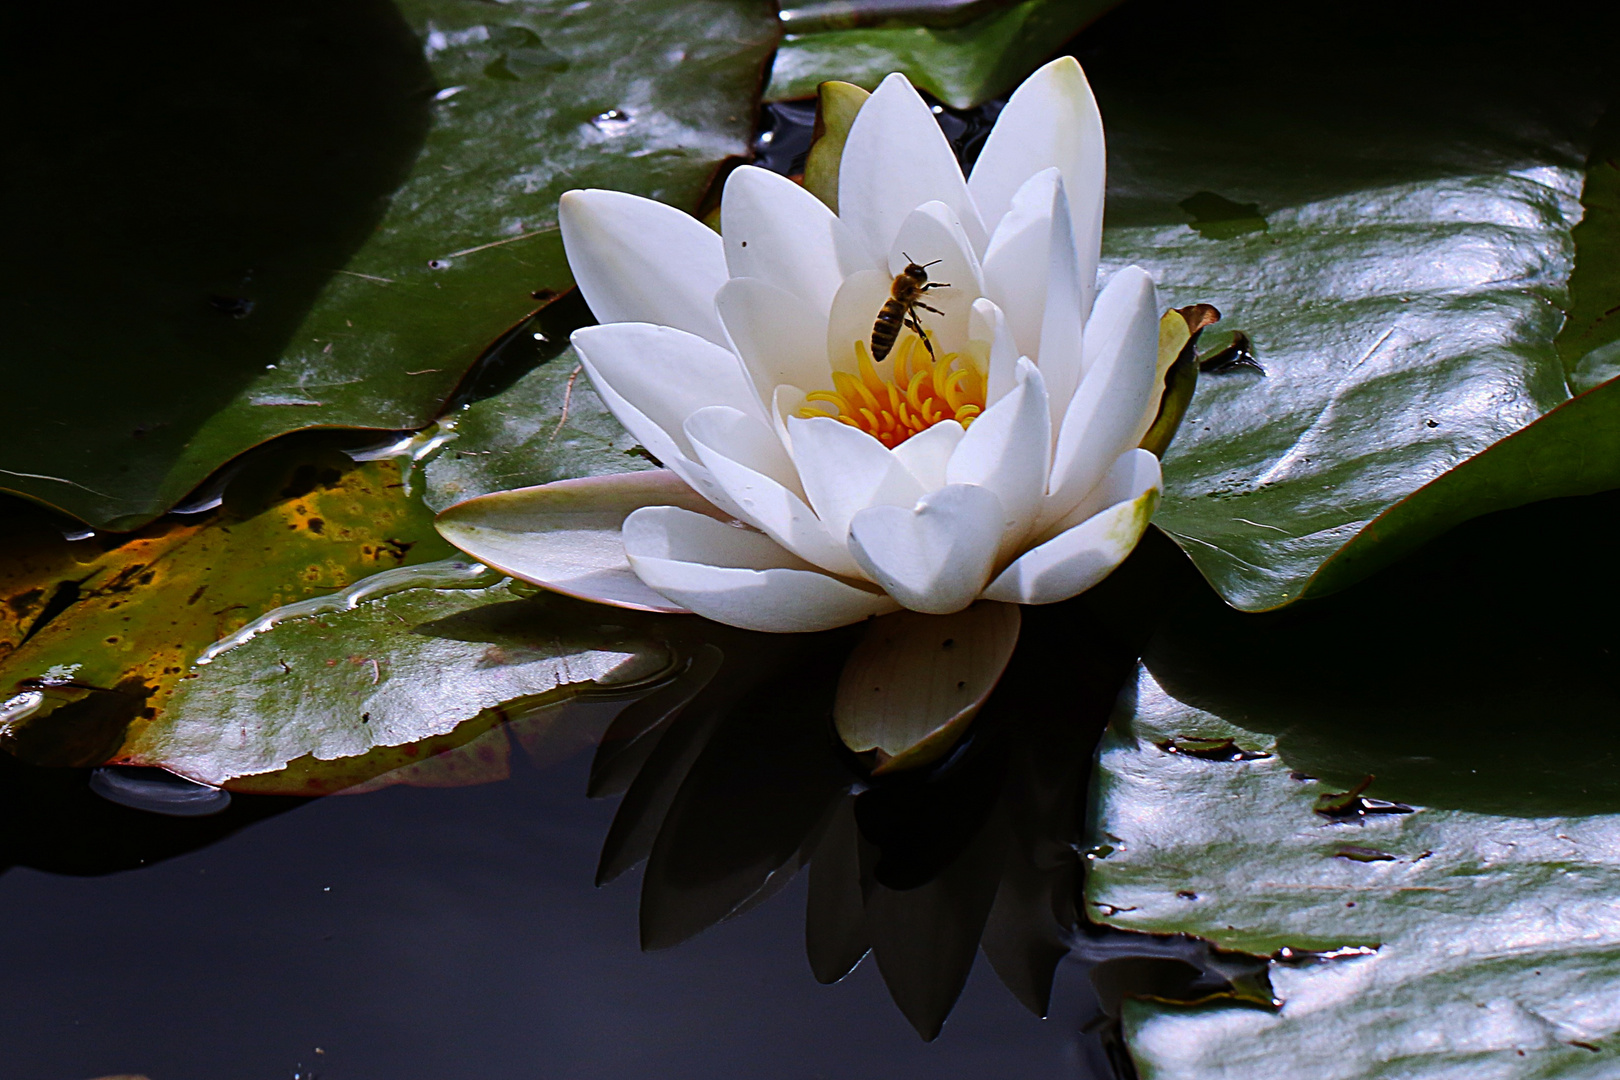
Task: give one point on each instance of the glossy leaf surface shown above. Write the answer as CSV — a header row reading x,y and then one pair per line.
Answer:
x,y
549,426
1404,283
1414,777
313,215
105,628
390,672
960,63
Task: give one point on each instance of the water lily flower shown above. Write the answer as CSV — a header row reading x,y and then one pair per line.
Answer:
x,y
810,484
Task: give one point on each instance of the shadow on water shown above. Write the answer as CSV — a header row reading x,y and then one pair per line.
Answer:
x,y
182,184
742,783
1479,675
51,819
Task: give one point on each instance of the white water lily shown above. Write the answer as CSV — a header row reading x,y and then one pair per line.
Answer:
x,y
1002,463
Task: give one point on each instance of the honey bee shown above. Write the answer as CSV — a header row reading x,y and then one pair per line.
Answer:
x,y
900,309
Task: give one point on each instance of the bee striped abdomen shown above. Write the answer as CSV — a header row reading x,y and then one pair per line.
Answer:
x,y
887,327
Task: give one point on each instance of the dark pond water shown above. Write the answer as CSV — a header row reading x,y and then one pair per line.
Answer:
x,y
421,933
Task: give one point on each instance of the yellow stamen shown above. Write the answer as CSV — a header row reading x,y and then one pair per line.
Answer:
x,y
916,392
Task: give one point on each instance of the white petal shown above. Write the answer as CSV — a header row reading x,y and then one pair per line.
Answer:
x,y
895,159
932,232
778,337
1051,120
1102,419
676,458
989,324
1019,258
1063,319
934,557
926,453
1075,560
743,439
786,402
652,378
746,459
1008,451
664,373
565,536
844,470
1132,473
739,577
854,310
775,230
915,681
636,260
1113,320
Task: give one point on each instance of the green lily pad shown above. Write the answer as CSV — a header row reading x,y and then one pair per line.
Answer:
x,y
549,426
385,674
1439,928
316,215
1399,246
961,64
1590,342
1406,794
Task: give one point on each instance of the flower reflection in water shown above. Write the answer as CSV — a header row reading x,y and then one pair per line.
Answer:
x,y
733,780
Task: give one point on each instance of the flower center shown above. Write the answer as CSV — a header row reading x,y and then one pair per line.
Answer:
x,y
917,392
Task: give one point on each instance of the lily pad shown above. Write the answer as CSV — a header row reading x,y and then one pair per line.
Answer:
x,y
549,426
98,632
1448,937
960,63
1413,814
386,674
1589,339
315,215
1402,270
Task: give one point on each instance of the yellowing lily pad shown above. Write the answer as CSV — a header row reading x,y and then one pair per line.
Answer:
x,y
104,632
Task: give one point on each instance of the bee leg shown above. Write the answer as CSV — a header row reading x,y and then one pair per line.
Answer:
x,y
917,327
935,285
926,307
